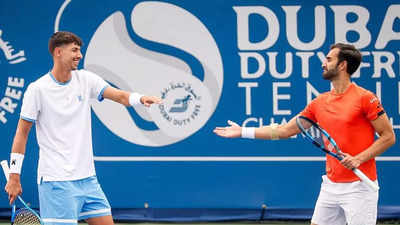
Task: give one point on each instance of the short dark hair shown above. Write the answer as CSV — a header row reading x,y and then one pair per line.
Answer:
x,y
350,54
63,38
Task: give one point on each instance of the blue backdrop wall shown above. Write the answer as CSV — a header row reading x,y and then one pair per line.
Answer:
x,y
253,62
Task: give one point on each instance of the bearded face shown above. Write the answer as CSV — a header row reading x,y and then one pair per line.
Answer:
x,y
330,73
330,65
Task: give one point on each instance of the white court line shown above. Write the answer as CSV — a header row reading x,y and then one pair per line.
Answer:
x,y
222,158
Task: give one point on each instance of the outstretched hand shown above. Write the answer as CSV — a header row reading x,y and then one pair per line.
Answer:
x,y
233,131
148,100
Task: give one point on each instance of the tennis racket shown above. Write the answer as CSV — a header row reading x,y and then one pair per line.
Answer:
x,y
319,137
24,215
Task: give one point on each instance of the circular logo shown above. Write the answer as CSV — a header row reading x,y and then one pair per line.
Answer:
x,y
185,108
188,100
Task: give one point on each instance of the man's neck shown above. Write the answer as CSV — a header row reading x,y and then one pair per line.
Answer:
x,y
60,74
341,85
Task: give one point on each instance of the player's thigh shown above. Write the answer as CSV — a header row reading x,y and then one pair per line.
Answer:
x,y
57,203
327,211
361,208
95,203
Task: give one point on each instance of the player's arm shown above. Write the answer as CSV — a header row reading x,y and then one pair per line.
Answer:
x,y
271,132
13,187
129,99
385,140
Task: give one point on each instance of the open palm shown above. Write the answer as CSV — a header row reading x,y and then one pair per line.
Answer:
x,y
232,131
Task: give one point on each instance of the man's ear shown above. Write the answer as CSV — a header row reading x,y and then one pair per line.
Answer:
x,y
57,51
343,65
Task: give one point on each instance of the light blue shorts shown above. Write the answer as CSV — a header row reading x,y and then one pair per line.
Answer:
x,y
66,202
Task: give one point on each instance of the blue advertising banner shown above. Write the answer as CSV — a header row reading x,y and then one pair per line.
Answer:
x,y
252,62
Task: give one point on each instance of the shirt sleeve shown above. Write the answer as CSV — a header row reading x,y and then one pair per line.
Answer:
x,y
30,104
309,110
97,86
371,106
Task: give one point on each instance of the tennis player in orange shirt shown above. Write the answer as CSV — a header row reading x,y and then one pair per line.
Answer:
x,y
352,115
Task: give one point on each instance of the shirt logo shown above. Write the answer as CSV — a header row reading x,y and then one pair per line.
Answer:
x,y
80,98
373,100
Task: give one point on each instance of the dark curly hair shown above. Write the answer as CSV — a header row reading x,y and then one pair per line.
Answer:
x,y
63,38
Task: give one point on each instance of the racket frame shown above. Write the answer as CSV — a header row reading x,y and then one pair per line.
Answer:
x,y
6,170
339,157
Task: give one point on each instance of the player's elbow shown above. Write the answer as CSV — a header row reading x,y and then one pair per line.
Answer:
x,y
389,138
285,132
282,133
392,139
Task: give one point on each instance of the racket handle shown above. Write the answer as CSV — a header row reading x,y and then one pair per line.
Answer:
x,y
6,170
365,179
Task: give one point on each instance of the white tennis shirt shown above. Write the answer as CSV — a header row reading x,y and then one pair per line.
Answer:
x,y
62,115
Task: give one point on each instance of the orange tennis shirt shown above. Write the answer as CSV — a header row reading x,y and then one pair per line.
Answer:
x,y
346,117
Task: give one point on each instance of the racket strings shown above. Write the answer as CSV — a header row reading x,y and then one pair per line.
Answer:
x,y
26,217
318,136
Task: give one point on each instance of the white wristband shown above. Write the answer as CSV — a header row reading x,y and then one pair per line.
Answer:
x,y
16,160
134,98
248,132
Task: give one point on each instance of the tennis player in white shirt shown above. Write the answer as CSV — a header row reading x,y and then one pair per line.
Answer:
x,y
58,103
